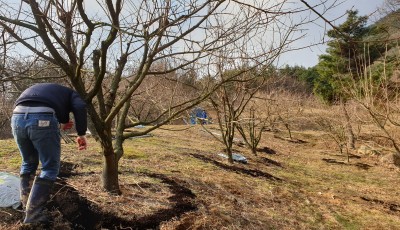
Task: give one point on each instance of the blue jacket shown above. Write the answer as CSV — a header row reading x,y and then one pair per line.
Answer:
x,y
62,99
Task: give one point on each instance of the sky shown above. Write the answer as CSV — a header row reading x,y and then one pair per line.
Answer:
x,y
313,33
308,57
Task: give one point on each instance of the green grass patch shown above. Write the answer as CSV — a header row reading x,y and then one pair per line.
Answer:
x,y
140,169
8,147
14,162
346,223
134,153
144,141
92,161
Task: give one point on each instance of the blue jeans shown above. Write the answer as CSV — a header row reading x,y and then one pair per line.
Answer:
x,y
38,138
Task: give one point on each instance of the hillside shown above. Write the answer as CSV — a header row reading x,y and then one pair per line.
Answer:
x,y
389,24
177,180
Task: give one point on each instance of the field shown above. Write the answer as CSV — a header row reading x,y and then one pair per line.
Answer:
x,y
177,180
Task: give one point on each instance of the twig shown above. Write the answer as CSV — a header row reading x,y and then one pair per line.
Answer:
x,y
120,226
6,212
67,139
140,187
58,191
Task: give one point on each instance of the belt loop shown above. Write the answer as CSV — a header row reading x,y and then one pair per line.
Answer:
x,y
26,113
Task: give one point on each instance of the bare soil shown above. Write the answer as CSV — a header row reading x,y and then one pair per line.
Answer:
x,y
69,210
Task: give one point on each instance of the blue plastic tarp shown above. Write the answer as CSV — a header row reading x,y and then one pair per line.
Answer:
x,y
9,190
198,115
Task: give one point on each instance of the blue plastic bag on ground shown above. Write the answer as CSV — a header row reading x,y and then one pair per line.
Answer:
x,y
236,157
9,190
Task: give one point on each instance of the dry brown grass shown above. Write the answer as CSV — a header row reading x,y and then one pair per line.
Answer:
x,y
303,186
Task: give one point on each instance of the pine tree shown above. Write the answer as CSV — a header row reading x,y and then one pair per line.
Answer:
x,y
344,59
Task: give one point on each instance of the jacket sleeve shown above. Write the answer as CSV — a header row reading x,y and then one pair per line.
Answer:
x,y
78,107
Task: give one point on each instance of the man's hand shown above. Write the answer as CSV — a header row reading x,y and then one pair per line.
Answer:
x,y
82,142
67,126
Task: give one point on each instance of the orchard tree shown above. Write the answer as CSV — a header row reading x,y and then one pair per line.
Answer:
x,y
230,102
251,127
108,48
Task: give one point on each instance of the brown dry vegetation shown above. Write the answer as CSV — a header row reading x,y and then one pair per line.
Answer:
x,y
176,180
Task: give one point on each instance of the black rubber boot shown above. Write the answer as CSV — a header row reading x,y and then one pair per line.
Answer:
x,y
38,198
26,181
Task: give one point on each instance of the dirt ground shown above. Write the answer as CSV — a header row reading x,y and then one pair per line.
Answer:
x,y
177,180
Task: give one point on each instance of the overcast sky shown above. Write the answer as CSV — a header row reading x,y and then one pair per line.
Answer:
x,y
309,57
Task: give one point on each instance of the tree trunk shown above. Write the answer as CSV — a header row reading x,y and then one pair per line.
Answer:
x,y
109,175
230,136
348,127
230,156
289,131
254,150
119,131
110,169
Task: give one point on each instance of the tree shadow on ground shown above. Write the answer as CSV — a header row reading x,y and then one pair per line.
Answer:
x,y
233,168
266,150
183,198
351,156
291,140
387,205
82,214
333,161
358,165
268,161
363,166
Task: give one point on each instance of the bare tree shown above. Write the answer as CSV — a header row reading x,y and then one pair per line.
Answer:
x,y
230,101
336,131
378,92
390,6
107,49
251,127
350,137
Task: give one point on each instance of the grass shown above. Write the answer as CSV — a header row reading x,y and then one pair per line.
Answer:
x,y
9,154
346,223
311,193
132,153
8,147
